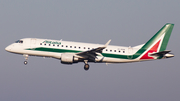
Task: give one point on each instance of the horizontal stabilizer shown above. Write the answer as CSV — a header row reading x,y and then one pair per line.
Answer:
x,y
162,53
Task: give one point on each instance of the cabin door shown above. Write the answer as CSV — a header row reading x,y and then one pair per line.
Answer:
x,y
33,43
130,50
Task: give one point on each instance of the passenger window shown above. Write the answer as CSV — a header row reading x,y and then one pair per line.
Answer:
x,y
67,46
40,43
61,45
53,44
70,46
49,44
114,50
123,51
79,47
110,50
57,45
74,46
45,44
106,49
119,51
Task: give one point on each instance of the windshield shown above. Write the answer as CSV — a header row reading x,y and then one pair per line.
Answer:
x,y
19,41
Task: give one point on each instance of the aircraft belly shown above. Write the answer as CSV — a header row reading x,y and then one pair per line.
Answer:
x,y
115,60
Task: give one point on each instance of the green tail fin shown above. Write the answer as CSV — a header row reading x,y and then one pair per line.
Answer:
x,y
166,31
158,42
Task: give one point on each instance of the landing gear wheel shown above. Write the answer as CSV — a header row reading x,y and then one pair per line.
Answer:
x,y
25,62
86,67
26,57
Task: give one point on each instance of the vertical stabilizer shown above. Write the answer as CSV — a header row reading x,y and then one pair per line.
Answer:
x,y
162,35
157,43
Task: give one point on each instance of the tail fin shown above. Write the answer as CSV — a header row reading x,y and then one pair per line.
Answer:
x,y
161,36
157,43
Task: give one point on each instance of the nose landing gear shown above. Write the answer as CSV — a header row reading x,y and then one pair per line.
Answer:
x,y
25,62
26,58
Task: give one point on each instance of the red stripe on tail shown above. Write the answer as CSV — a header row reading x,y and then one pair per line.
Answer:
x,y
153,49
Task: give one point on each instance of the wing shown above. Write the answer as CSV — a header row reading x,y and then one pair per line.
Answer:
x,y
91,54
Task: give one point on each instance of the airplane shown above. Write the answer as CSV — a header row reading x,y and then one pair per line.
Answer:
x,y
73,52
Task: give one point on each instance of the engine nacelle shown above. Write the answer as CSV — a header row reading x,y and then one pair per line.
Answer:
x,y
68,58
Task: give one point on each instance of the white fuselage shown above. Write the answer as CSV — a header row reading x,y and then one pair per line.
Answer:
x,y
54,48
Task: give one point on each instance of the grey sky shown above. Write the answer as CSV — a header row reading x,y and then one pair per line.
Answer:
x,y
125,22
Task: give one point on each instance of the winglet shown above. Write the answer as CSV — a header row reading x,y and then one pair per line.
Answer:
x,y
107,43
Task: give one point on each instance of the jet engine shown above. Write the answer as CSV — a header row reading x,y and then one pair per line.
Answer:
x,y
68,58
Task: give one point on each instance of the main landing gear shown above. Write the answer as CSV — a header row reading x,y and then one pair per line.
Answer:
x,y
86,66
26,58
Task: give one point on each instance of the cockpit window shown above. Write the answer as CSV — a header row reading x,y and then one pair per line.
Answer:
x,y
19,41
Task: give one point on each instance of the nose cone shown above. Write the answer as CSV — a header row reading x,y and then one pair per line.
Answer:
x,y
8,48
